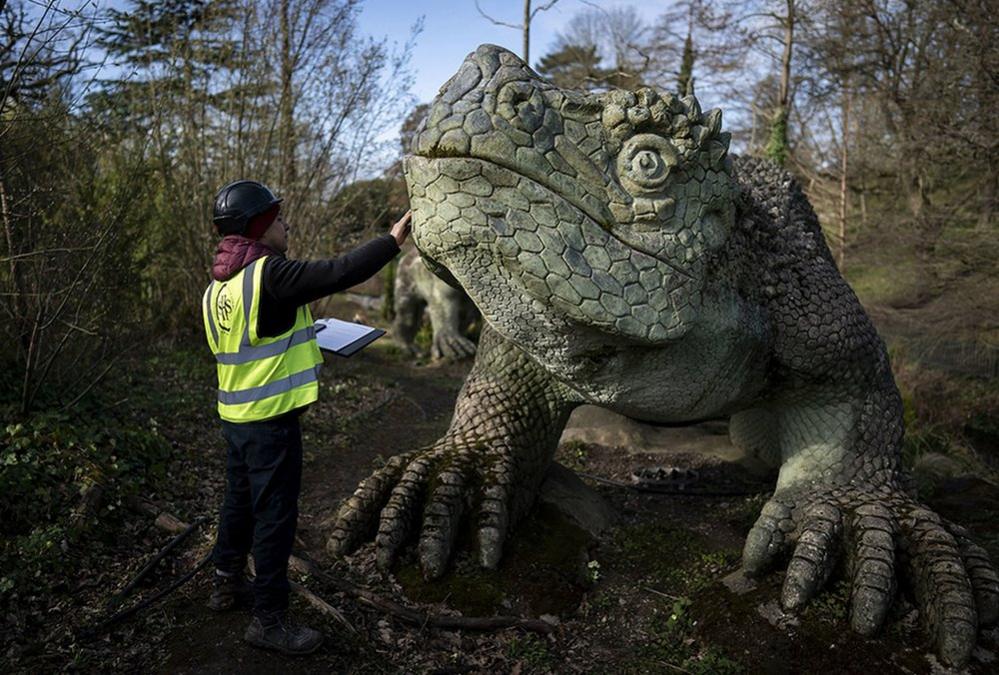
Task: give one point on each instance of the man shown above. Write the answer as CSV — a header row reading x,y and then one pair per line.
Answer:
x,y
260,329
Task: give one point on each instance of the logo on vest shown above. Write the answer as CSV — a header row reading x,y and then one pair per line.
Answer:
x,y
223,308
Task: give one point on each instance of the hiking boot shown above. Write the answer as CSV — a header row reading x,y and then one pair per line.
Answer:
x,y
229,592
282,635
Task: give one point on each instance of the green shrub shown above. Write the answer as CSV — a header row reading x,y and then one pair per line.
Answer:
x,y
47,464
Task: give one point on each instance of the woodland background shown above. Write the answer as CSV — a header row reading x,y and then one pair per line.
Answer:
x,y
118,125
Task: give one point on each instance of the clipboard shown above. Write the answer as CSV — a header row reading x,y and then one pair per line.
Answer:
x,y
344,338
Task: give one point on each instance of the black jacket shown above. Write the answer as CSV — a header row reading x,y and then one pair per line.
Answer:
x,y
289,284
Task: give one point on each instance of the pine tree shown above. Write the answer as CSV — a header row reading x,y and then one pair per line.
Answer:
x,y
574,67
165,42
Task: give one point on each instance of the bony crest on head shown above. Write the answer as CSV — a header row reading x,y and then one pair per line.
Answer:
x,y
627,113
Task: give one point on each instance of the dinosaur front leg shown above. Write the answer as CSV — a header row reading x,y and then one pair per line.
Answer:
x,y
841,492
489,465
445,308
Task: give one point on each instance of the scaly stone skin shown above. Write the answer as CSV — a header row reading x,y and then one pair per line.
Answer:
x,y
450,310
620,258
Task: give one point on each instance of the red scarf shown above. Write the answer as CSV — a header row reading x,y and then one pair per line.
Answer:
x,y
234,253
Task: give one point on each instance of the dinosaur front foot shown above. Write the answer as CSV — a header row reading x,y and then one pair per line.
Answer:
x,y
430,492
885,536
451,346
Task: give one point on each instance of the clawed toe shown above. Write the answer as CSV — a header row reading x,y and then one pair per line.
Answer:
x,y
425,496
955,584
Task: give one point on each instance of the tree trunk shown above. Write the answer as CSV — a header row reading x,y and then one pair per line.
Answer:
x,y
287,114
988,194
863,202
527,32
914,187
843,185
777,145
785,59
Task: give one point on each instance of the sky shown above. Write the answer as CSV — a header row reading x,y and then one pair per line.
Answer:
x,y
453,28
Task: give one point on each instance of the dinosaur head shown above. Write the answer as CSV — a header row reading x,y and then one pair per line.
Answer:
x,y
558,209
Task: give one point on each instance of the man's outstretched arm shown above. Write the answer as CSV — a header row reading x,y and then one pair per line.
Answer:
x,y
299,282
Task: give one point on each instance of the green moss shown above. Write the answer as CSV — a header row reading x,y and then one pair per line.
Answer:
x,y
473,591
684,564
424,337
548,538
831,606
743,513
543,571
777,146
673,557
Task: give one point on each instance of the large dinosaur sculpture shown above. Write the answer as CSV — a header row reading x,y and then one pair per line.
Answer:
x,y
620,258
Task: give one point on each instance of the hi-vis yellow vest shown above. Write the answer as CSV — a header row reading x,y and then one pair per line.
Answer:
x,y
259,377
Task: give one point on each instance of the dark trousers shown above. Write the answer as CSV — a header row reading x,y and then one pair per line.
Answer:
x,y
260,510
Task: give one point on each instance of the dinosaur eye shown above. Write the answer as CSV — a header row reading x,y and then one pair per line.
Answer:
x,y
648,167
645,162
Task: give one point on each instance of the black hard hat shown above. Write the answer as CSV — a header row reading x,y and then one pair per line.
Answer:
x,y
237,202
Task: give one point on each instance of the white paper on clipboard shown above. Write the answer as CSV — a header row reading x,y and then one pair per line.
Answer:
x,y
345,338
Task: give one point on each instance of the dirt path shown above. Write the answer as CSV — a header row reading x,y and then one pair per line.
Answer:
x,y
659,597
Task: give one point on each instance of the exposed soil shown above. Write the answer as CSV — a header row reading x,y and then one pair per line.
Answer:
x,y
653,594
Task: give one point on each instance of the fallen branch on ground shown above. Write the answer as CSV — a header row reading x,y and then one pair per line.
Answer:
x,y
162,519
420,619
416,617
144,572
411,616
317,602
90,502
647,487
120,616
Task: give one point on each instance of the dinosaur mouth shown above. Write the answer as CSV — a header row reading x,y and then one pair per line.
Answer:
x,y
479,220
508,164
438,270
588,208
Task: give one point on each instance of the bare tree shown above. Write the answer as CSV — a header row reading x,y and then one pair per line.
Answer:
x,y
65,240
34,56
733,63
286,91
524,26
761,35
777,145
906,66
618,36
844,172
